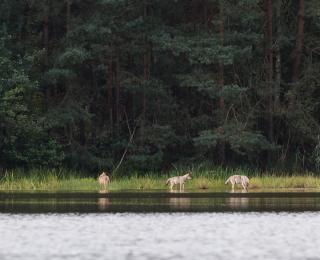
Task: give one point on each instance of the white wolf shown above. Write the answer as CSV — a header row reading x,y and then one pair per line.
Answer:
x,y
104,179
178,180
236,179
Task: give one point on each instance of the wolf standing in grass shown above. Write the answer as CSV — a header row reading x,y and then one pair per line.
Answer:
x,y
236,179
178,180
104,179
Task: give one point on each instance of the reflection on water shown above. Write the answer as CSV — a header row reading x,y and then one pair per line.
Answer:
x,y
159,201
238,202
103,202
182,203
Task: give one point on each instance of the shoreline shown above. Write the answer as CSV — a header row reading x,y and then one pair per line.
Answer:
x,y
295,183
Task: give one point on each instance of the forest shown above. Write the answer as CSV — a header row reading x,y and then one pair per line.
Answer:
x,y
147,85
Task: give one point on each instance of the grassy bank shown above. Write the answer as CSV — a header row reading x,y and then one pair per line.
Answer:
x,y
201,179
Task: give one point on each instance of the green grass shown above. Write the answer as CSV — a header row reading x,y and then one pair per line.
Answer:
x,y
202,178
305,181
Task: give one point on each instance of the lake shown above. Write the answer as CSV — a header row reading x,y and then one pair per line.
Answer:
x,y
160,225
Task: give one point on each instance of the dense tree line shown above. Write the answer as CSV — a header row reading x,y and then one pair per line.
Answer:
x,y
91,83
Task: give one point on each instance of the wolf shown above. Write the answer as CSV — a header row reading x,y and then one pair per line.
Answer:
x,y
178,180
236,179
104,179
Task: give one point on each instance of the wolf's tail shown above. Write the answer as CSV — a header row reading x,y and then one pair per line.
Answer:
x,y
167,182
227,181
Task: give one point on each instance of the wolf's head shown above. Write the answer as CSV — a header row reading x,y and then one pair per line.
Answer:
x,y
187,176
103,174
247,184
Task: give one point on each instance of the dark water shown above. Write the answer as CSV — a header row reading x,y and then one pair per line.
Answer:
x,y
160,225
158,201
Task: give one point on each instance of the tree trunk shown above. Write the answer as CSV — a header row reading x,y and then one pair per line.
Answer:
x,y
278,59
270,76
70,90
47,88
299,42
93,105
110,97
144,106
187,12
222,144
295,72
68,17
82,134
196,11
118,87
129,100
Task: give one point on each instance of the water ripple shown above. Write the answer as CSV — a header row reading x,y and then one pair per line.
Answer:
x,y
157,236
